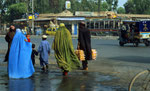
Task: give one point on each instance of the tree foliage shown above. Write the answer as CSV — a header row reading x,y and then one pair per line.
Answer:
x,y
112,5
20,7
57,6
75,6
51,6
129,7
121,10
15,11
137,6
104,6
4,7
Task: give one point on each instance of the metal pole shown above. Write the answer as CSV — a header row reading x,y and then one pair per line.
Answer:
x,y
27,15
33,16
99,2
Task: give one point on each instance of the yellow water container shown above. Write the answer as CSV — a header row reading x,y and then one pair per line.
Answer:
x,y
94,54
80,54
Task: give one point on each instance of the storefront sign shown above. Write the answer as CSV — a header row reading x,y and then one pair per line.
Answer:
x,y
68,5
78,13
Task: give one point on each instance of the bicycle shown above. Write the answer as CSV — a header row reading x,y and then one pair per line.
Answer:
x,y
140,82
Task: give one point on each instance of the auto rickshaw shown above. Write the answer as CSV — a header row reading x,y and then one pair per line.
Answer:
x,y
134,32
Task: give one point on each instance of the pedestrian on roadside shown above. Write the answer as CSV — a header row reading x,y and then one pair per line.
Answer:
x,y
64,51
9,37
44,50
84,43
20,63
34,53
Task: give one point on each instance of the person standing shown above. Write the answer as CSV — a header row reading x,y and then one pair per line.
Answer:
x,y
84,43
9,37
44,50
64,51
20,63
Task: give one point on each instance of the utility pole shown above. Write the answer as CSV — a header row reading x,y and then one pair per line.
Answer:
x,y
33,16
99,2
27,14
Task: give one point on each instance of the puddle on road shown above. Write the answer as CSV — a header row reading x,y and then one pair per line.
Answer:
x,y
54,81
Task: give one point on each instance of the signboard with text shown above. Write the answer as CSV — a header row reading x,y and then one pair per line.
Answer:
x,y
68,5
84,13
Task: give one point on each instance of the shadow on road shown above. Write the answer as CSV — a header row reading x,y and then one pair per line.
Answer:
x,y
107,44
137,59
125,46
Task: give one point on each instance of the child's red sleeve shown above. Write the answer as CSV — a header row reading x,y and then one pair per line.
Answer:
x,y
28,40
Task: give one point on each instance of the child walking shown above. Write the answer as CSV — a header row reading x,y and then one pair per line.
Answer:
x,y
34,53
44,50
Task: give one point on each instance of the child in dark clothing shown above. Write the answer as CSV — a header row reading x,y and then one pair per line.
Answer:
x,y
34,52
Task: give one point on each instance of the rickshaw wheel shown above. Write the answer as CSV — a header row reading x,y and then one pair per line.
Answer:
x,y
136,44
121,43
146,43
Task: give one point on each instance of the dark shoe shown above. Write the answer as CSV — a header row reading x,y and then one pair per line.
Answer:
x,y
43,68
5,60
46,67
85,69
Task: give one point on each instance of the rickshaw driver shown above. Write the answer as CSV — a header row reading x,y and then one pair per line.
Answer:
x,y
124,34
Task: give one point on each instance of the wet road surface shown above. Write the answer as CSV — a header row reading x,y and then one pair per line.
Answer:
x,y
54,81
112,71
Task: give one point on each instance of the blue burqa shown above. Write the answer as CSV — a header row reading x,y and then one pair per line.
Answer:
x,y
20,63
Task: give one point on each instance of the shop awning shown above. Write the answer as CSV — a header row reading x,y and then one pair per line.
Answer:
x,y
72,19
38,19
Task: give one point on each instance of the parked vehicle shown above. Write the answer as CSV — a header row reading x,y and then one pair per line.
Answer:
x,y
134,32
103,26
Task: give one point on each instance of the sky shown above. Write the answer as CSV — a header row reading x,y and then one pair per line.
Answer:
x,y
121,3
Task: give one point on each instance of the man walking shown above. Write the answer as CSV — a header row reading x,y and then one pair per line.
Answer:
x,y
9,37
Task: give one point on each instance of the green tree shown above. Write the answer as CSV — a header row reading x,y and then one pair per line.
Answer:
x,y
142,6
57,6
137,6
112,5
2,4
121,10
93,6
15,11
115,5
129,7
61,6
104,6
40,6
89,5
3,8
84,5
75,6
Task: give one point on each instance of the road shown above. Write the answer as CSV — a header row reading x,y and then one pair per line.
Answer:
x,y
111,71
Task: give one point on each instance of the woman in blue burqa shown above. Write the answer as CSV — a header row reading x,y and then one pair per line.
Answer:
x,y
20,64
